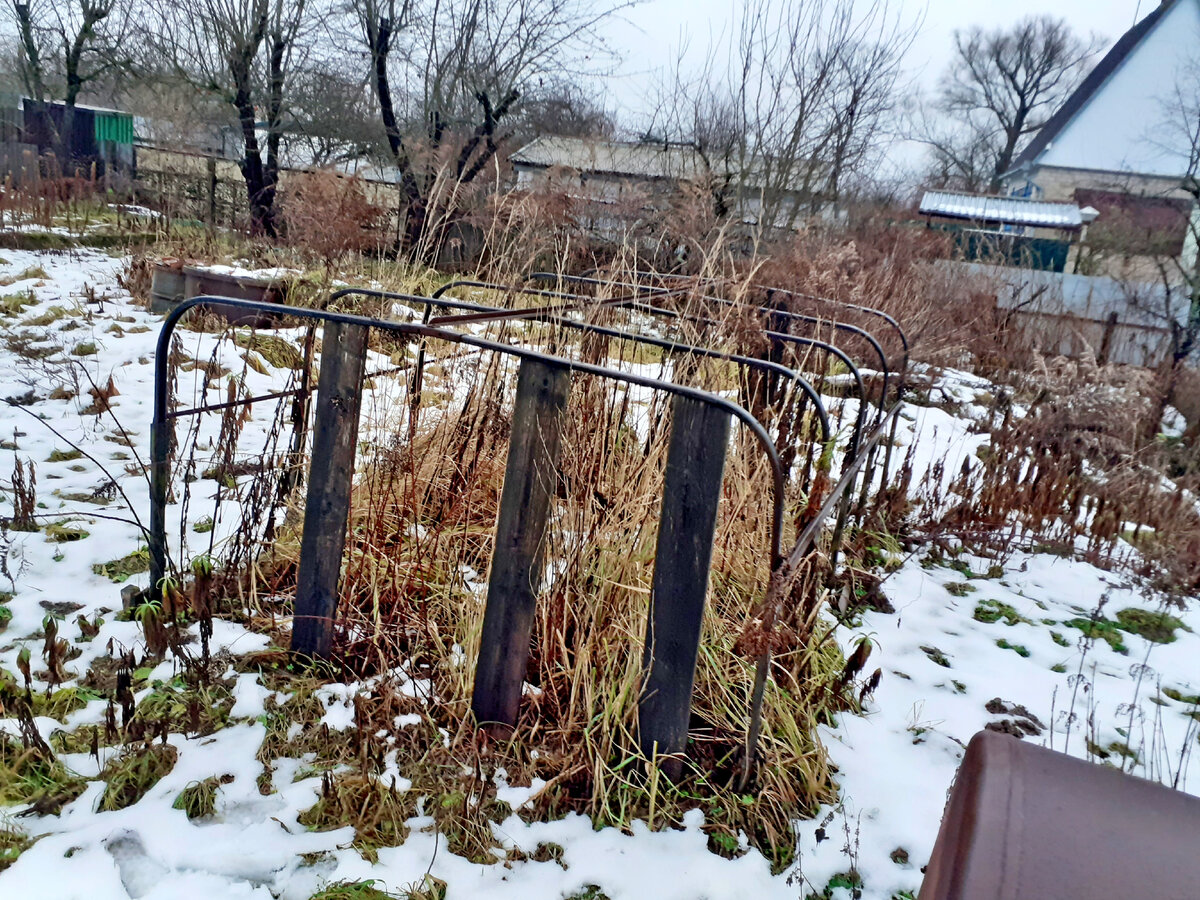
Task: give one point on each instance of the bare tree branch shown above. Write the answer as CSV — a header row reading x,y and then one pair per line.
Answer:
x,y
1001,88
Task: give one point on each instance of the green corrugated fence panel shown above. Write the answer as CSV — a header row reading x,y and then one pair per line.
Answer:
x,y
115,127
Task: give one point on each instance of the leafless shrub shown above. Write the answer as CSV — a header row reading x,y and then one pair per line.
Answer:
x,y
1067,466
24,496
329,216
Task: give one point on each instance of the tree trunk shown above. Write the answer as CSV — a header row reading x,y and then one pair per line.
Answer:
x,y
259,191
379,39
66,134
1007,152
33,76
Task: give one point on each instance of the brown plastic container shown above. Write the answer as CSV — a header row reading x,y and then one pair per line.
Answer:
x,y
1027,823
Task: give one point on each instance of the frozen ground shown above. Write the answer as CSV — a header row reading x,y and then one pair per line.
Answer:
x,y
967,646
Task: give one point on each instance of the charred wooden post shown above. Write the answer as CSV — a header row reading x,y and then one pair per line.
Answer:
x,y
529,483
330,478
695,463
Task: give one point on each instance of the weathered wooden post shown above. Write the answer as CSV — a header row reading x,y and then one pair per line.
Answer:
x,y
330,478
1110,327
695,463
529,482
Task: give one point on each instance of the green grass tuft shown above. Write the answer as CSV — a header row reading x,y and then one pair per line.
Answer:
x,y
990,611
49,317
64,533
13,842
29,776
1100,628
1122,749
280,353
1180,697
199,799
15,304
63,702
937,656
130,775
850,881
26,274
589,892
1157,627
120,570
353,890
1018,649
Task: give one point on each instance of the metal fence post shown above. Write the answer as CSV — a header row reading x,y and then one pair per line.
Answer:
x,y
695,462
529,482
330,478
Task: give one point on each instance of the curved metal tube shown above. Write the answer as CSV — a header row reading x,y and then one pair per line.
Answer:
x,y
545,316
833,323
869,310
863,400
860,415
160,439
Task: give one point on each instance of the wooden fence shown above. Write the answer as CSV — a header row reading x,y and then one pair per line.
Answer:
x,y
211,189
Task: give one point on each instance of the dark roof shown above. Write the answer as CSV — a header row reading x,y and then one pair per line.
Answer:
x,y
1110,63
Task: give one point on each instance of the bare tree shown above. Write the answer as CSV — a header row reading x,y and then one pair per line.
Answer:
x,y
1001,88
242,51
565,108
472,62
805,105
66,46
331,117
960,158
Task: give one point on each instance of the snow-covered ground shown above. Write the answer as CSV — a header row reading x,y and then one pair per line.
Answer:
x,y
966,647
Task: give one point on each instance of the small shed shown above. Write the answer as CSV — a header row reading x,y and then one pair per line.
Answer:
x,y
98,135
1020,231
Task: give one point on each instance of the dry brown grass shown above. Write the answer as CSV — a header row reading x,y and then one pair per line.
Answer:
x,y
1068,467
420,543
328,217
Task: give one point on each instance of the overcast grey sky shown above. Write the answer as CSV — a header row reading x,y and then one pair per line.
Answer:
x,y
650,33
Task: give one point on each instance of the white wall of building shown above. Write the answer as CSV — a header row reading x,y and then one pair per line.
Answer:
x,y
1124,127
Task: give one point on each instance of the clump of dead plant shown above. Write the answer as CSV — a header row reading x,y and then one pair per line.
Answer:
x,y
330,217
1067,466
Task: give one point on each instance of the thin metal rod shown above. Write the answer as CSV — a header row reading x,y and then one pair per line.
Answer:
x,y
175,414
544,314
159,425
780,587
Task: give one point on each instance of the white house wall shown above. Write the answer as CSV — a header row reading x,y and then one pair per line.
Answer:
x,y
1123,127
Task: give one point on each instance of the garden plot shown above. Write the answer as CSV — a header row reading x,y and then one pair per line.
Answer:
x,y
230,804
